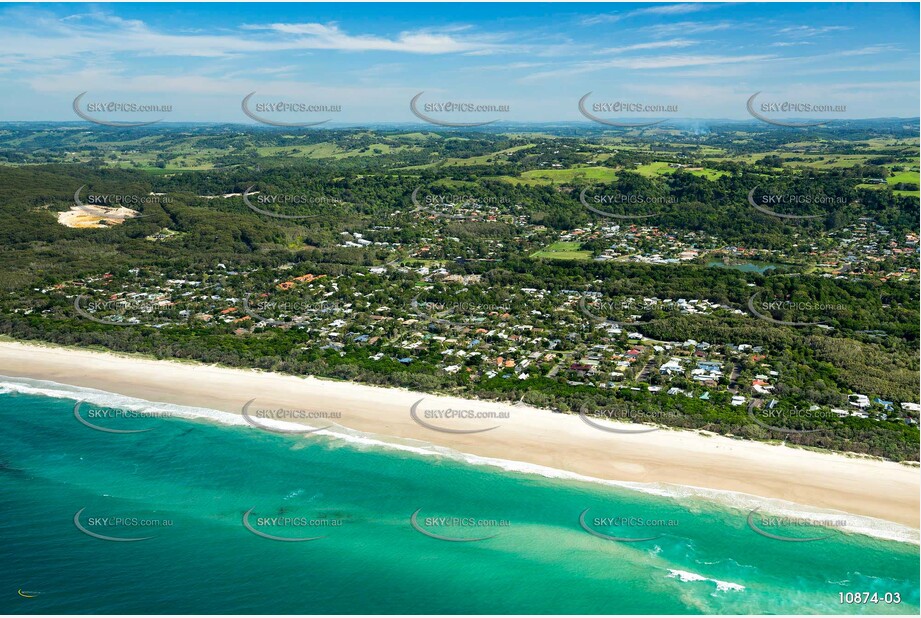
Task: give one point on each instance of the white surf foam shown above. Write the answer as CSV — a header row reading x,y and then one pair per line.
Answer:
x,y
687,576
858,524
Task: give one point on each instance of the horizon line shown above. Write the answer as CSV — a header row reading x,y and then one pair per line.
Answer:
x,y
492,124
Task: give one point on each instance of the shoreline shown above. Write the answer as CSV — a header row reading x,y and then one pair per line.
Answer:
x,y
528,440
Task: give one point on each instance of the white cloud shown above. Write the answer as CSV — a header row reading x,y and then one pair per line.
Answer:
x,y
809,31
651,45
329,36
99,33
869,50
645,63
685,28
659,9
509,66
790,43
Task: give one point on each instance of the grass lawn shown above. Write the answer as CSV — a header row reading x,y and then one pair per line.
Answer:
x,y
563,251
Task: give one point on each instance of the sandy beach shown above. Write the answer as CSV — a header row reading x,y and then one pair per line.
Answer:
x,y
885,490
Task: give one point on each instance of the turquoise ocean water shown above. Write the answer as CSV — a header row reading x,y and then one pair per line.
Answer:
x,y
200,476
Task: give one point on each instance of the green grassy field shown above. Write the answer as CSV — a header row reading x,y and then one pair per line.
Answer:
x,y
327,150
321,150
911,176
709,174
494,157
562,176
563,251
655,169
599,174
418,135
520,181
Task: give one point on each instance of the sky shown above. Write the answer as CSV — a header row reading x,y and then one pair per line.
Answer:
x,y
538,59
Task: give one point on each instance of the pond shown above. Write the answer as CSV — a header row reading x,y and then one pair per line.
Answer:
x,y
746,267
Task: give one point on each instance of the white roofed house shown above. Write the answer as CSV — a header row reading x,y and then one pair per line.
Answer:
x,y
859,401
672,367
